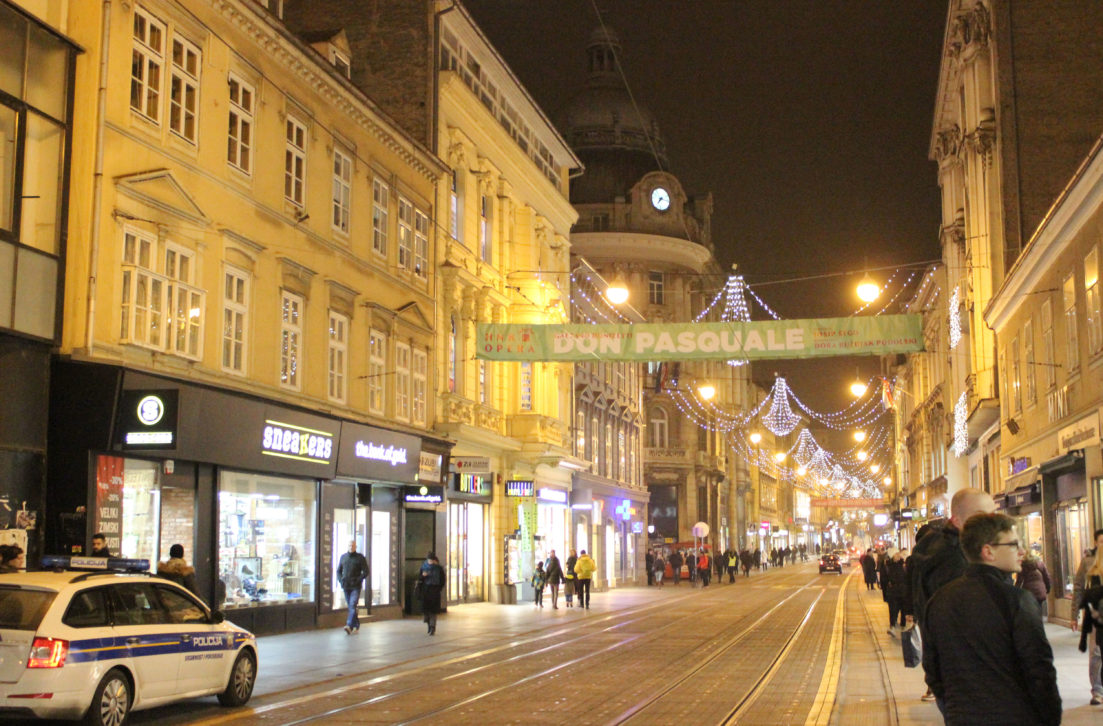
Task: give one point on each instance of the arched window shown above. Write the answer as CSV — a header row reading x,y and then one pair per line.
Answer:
x,y
658,428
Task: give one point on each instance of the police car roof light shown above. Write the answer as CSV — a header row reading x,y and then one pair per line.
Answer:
x,y
107,564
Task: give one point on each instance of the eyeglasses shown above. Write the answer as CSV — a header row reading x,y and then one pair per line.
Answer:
x,y
1013,543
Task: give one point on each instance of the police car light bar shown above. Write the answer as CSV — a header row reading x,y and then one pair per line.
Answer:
x,y
113,564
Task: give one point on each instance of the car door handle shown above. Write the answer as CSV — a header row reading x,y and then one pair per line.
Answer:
x,y
185,638
133,641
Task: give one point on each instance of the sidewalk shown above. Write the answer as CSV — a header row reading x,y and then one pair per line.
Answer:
x,y
908,685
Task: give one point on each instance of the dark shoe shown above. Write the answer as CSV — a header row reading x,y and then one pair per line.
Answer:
x,y
1095,701
432,630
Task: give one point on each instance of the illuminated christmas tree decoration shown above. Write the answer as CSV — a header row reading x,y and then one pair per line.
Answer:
x,y
955,319
780,419
961,425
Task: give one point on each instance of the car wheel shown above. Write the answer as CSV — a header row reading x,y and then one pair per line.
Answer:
x,y
242,678
111,702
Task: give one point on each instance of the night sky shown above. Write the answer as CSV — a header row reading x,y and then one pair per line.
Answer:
x,y
808,120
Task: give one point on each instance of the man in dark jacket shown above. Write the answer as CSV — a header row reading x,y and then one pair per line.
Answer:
x,y
676,565
553,576
352,570
985,650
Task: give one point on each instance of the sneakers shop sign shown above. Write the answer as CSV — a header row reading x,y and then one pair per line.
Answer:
x,y
760,340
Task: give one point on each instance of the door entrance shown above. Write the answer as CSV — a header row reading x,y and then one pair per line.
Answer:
x,y
421,537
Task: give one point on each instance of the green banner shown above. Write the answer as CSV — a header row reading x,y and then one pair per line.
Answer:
x,y
766,340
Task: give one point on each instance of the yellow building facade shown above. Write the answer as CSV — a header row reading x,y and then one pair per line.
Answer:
x,y
252,243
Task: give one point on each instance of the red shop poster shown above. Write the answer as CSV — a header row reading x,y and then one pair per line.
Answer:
x,y
109,501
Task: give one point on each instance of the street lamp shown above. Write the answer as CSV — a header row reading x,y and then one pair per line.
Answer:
x,y
756,438
859,436
706,391
617,292
858,389
862,456
779,457
867,289
874,468
802,470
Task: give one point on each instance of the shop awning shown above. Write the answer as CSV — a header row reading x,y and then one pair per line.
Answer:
x,y
1029,494
1071,460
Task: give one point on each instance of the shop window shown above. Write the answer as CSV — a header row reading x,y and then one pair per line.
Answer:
x,y
266,539
1073,537
380,558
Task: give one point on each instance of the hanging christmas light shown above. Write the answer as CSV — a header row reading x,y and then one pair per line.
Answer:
x,y
780,419
961,425
955,319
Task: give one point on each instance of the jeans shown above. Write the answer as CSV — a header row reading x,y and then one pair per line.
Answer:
x,y
352,597
583,586
1095,661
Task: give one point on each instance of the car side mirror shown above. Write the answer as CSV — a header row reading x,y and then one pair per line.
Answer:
x,y
217,616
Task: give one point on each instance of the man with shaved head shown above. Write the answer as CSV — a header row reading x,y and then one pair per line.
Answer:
x,y
938,557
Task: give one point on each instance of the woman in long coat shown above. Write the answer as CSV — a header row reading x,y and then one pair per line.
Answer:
x,y
869,569
431,584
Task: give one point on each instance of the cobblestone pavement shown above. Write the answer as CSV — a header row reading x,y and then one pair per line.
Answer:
x,y
788,646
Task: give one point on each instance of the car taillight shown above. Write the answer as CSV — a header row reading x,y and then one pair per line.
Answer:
x,y
48,653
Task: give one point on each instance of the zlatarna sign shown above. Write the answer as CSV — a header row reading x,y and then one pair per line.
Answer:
x,y
767,340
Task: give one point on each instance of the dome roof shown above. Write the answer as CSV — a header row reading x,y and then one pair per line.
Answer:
x,y
602,117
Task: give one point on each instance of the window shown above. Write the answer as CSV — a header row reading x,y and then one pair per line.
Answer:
x,y
655,291
526,385
181,608
658,426
421,244
421,385
137,604
294,162
161,309
273,6
1072,339
291,339
380,200
146,64
485,395
486,237
340,61
405,234
622,453
1091,302
1048,346
609,466
1014,377
454,208
402,381
184,89
338,356
87,609
580,434
377,371
240,143
1029,381
342,190
235,319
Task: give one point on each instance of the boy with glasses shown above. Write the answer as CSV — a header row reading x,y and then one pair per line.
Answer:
x,y
985,650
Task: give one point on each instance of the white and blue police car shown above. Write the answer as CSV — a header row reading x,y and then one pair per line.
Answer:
x,y
95,639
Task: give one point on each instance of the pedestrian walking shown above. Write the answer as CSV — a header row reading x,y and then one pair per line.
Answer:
x,y
570,582
554,572
649,565
896,592
691,565
431,583
733,564
718,563
676,566
757,558
352,570
985,651
746,559
1089,574
659,569
584,570
703,568
177,569
869,569
539,577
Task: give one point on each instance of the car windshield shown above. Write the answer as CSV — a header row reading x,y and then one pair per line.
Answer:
x,y
23,609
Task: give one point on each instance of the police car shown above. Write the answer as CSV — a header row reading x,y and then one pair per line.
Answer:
x,y
101,643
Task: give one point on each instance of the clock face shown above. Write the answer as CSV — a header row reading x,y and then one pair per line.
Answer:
x,y
660,199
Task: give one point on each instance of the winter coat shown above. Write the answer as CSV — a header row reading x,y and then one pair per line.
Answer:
x,y
431,581
676,561
538,579
585,567
869,568
894,585
936,560
1034,578
986,655
352,570
568,571
1081,581
180,572
553,571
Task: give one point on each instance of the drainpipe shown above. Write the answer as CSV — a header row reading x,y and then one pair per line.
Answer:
x,y
97,177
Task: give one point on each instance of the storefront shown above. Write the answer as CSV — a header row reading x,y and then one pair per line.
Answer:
x,y
619,542
470,494
264,498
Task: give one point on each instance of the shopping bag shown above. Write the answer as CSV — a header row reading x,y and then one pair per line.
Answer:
x,y
912,645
